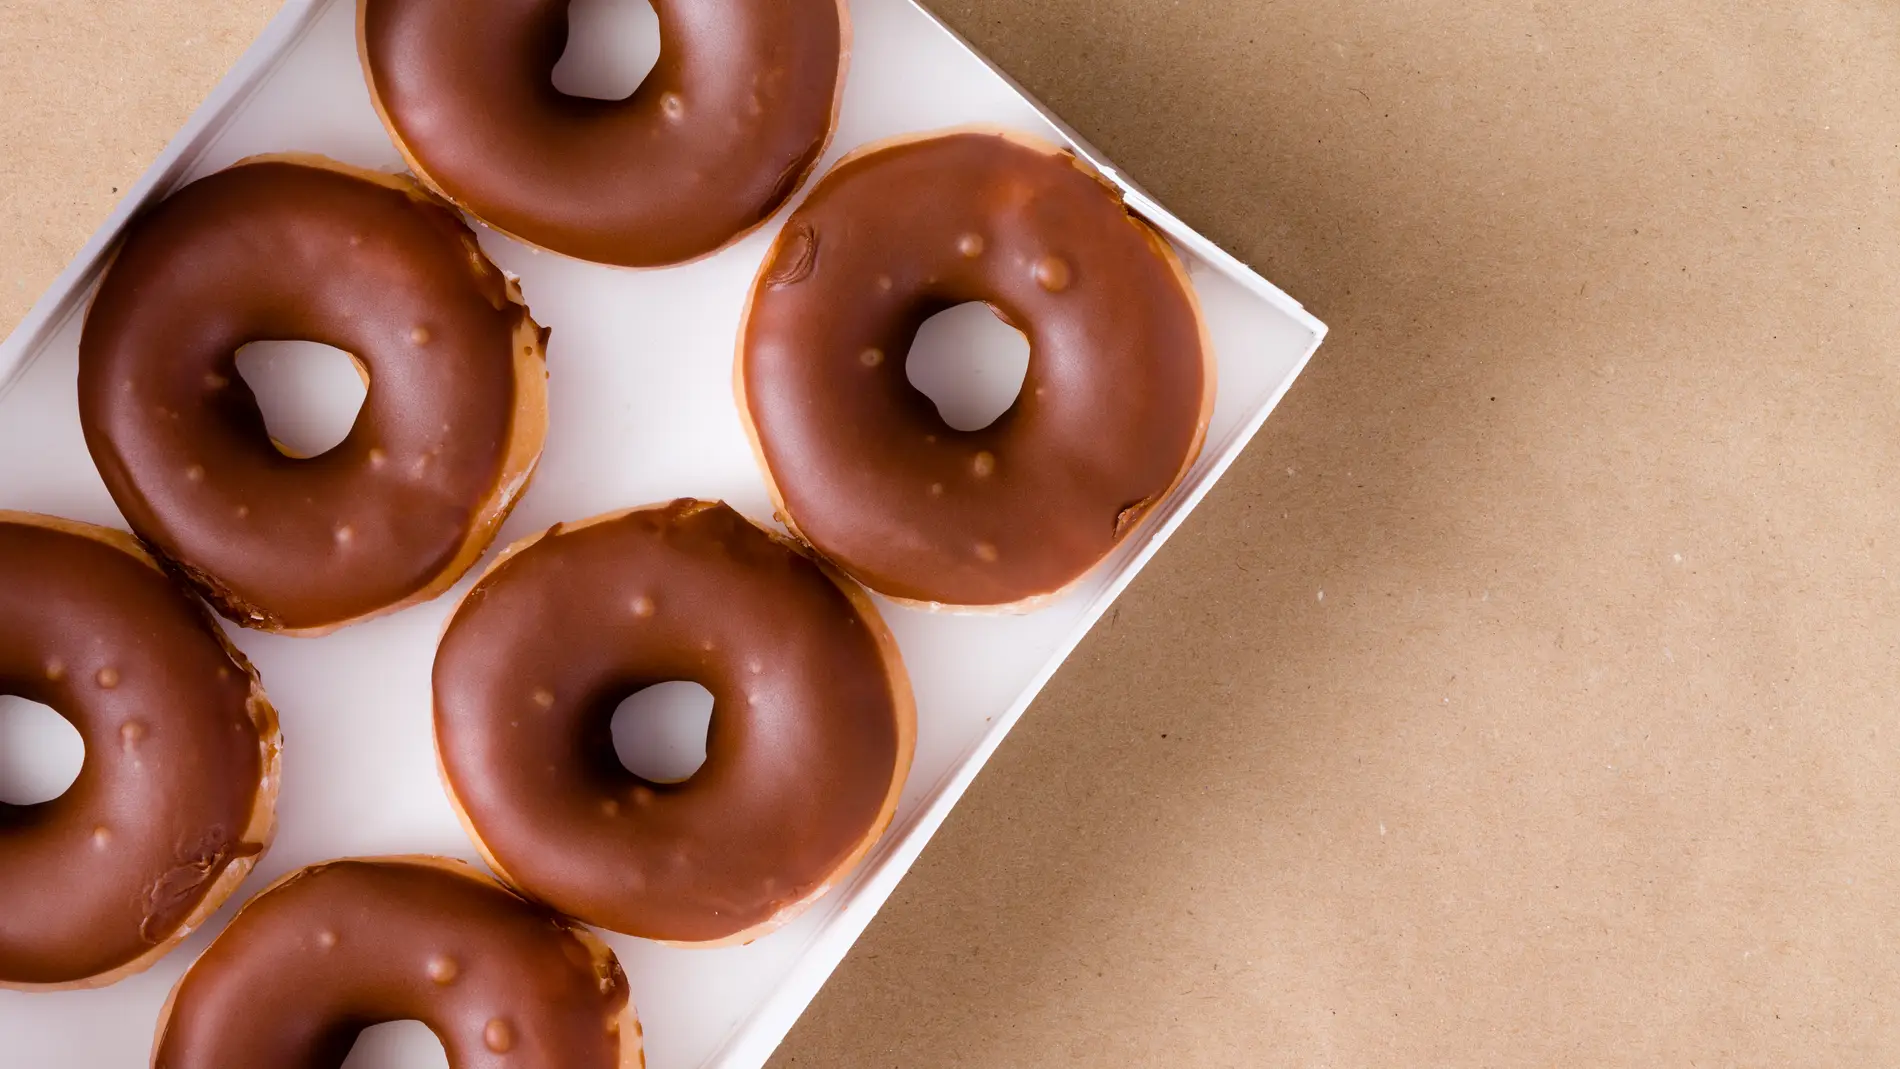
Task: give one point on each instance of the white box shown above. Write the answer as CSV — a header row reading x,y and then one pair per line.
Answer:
x,y
641,410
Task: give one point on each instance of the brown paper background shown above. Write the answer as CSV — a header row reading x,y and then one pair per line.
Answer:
x,y
1587,755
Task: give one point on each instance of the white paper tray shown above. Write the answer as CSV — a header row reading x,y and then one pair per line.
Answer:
x,y
640,410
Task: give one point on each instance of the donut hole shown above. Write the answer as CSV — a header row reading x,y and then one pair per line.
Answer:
x,y
40,752
969,363
660,731
612,45
397,1045
309,393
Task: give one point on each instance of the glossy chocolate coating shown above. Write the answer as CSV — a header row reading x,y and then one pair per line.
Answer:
x,y
338,947
282,250
1110,413
809,727
731,119
178,750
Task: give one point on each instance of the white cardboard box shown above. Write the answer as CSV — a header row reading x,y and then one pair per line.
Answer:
x,y
641,410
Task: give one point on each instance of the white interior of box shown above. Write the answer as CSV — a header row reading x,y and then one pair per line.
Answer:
x,y
641,410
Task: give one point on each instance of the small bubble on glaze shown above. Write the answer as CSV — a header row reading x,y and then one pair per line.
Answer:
x,y
101,837
420,335
356,240
754,665
443,969
642,606
55,670
131,732
498,1036
107,678
544,697
610,807
673,106
884,283
871,357
243,511
984,463
195,474
215,381
707,645
986,553
345,535
936,489
327,939
970,245
378,458
1053,274
640,795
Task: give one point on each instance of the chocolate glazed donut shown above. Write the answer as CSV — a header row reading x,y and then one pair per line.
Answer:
x,y
1111,414
332,949
369,263
732,118
812,728
173,803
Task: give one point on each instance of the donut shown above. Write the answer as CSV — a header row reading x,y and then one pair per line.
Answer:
x,y
1112,411
812,731
336,947
303,248
729,123
174,800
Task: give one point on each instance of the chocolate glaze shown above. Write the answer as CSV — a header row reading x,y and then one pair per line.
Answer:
x,y
338,947
729,122
181,753
377,268
810,738
1111,412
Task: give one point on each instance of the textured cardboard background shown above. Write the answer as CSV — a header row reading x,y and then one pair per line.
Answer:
x,y
1587,754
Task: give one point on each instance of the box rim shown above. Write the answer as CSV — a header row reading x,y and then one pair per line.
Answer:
x,y
751,1039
